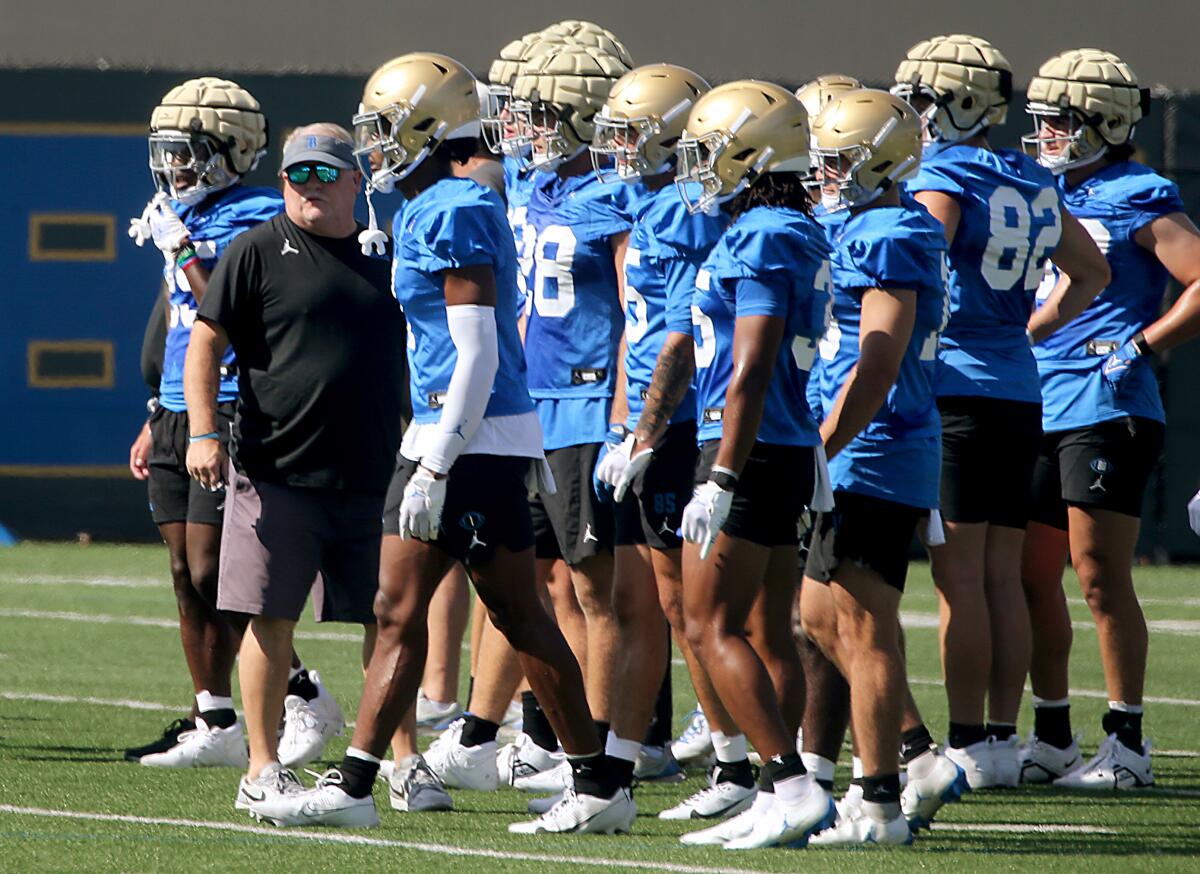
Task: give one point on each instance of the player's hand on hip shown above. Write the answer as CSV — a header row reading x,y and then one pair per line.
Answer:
x,y
1118,364
704,515
207,462
421,506
139,454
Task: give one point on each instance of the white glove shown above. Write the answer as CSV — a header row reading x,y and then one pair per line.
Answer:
x,y
421,508
704,515
1194,512
166,227
637,464
614,462
139,228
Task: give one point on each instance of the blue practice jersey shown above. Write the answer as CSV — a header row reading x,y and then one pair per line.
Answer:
x,y
898,455
666,247
1113,204
455,223
1011,222
518,184
575,319
773,261
212,225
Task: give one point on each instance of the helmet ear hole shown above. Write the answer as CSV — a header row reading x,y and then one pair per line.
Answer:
x,y
742,156
968,102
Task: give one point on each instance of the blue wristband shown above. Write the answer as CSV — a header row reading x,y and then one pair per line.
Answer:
x,y
211,435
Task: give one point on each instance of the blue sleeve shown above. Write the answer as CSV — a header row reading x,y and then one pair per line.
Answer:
x,y
935,178
1152,202
458,237
888,262
765,296
681,285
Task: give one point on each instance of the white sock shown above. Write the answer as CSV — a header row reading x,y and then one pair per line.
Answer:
x,y
206,701
856,768
922,766
1122,707
1051,702
730,748
880,812
792,790
356,753
620,748
819,766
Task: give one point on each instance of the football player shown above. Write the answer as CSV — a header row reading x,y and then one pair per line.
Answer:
x,y
1003,219
205,135
459,493
1101,412
757,313
881,433
651,472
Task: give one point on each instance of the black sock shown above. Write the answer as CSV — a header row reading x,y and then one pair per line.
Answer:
x,y
915,742
1126,726
1052,725
779,768
594,776
741,773
301,685
222,718
1001,732
602,727
358,776
659,733
535,724
963,734
827,785
622,771
478,731
882,788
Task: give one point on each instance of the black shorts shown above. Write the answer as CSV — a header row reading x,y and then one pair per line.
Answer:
x,y
1106,466
174,495
989,447
653,508
487,505
868,531
572,524
775,487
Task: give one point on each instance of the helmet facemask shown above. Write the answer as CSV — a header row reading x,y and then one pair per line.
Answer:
x,y
498,128
383,158
700,186
621,146
188,166
547,133
1062,138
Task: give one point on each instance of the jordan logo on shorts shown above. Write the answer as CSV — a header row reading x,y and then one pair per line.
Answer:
x,y
589,536
666,528
1100,466
472,521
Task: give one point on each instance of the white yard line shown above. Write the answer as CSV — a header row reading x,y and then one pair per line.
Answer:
x,y
103,702
1022,828
148,621
1185,627
333,837
79,580
1099,694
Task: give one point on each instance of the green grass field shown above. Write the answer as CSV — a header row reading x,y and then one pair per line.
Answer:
x,y
90,663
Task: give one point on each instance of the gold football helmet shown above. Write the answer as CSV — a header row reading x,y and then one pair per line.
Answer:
x,y
639,124
817,93
410,106
864,142
556,98
203,135
964,80
734,134
1083,101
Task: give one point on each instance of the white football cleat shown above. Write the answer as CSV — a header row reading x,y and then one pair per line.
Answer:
x,y
273,781
730,829
1006,762
695,745
414,788
861,829
309,725
714,801
461,767
324,804
977,762
789,824
1041,762
1115,766
920,800
555,779
657,765
523,758
538,806
431,713
583,814
203,747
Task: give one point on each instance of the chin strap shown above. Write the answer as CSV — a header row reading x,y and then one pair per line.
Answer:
x,y
372,241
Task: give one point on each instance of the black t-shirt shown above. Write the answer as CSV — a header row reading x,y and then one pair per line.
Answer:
x,y
321,357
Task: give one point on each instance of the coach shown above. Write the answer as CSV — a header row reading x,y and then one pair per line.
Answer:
x,y
320,348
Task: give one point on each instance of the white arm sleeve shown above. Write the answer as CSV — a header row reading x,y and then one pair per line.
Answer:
x,y
473,330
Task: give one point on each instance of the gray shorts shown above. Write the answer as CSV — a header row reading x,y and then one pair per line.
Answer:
x,y
277,540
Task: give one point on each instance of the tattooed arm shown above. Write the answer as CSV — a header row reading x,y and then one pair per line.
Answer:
x,y
672,378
